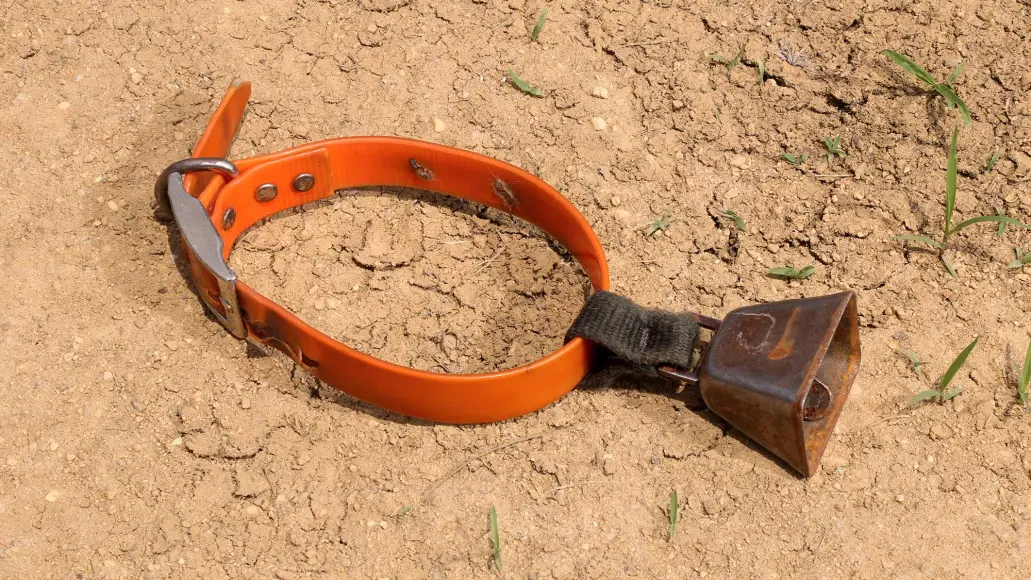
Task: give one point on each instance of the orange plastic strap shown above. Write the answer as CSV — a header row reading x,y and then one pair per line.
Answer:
x,y
386,161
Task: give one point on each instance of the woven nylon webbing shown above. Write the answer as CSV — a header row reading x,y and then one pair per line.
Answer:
x,y
635,334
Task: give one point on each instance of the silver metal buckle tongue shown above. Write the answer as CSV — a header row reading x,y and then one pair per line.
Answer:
x,y
196,228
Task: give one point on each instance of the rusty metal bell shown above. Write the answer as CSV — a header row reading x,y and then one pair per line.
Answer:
x,y
780,373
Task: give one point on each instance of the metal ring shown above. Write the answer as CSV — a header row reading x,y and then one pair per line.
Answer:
x,y
191,165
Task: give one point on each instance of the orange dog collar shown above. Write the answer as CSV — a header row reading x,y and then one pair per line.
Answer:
x,y
779,372
214,208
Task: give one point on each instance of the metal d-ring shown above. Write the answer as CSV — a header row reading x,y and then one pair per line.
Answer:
x,y
685,376
191,165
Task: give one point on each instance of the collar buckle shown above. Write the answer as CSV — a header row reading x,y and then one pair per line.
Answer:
x,y
203,244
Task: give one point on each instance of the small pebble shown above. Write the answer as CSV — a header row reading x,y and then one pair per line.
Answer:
x,y
900,498
63,105
600,92
172,345
137,78
109,376
140,406
52,496
438,125
616,201
245,403
111,205
599,123
177,442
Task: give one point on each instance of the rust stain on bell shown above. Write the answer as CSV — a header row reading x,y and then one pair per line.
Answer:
x,y
787,340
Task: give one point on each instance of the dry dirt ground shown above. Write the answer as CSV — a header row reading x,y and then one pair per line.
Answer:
x,y
138,439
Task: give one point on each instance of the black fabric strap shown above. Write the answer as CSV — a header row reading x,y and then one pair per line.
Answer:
x,y
635,334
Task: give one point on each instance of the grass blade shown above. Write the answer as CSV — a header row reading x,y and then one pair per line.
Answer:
x,y
738,220
952,98
908,65
950,394
674,510
540,24
923,396
730,63
955,366
954,76
795,160
1024,381
785,271
915,363
1019,262
791,272
495,539
949,266
659,224
989,218
992,161
950,183
523,85
922,239
1002,225
944,89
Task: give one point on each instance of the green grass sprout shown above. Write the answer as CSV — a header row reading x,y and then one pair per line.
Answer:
x,y
659,224
946,89
915,363
1002,225
791,272
942,393
738,220
950,207
992,161
540,24
1024,378
795,160
728,62
1023,259
674,510
523,85
495,539
403,511
833,148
